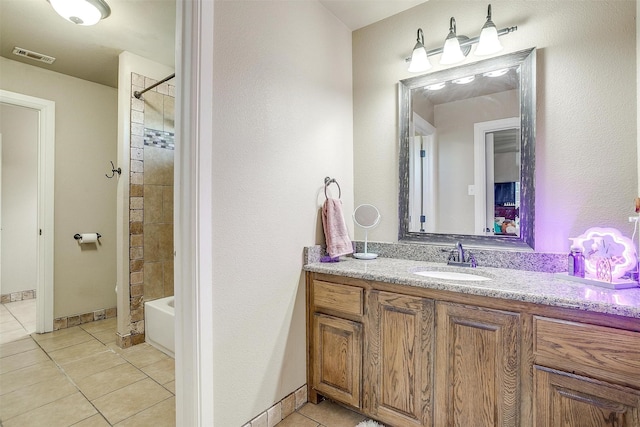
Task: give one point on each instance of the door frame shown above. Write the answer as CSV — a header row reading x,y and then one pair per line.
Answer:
x,y
427,182
480,165
46,176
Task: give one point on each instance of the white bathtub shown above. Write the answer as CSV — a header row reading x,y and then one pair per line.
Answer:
x,y
159,318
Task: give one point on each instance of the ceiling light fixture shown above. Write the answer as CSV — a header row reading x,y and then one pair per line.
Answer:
x,y
82,12
457,47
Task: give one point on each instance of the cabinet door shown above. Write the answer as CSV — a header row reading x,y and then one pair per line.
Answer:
x,y
337,362
477,367
564,399
399,355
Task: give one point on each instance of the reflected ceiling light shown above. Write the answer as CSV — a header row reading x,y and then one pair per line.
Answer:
x,y
81,12
457,47
464,80
436,86
496,73
451,52
489,42
419,59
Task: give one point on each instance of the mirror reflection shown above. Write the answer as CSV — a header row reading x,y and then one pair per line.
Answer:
x,y
464,154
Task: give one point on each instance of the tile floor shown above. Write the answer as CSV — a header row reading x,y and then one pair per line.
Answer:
x,y
324,414
79,377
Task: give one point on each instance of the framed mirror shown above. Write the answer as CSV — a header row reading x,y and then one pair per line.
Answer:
x,y
467,154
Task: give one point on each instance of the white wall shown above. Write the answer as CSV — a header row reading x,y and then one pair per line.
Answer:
x,y
84,277
19,130
282,120
586,160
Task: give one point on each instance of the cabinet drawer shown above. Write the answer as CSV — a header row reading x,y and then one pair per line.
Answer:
x,y
597,351
336,297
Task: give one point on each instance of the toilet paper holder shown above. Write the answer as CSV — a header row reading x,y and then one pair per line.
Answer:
x,y
78,236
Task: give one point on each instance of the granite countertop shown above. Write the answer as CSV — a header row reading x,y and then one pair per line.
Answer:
x,y
528,286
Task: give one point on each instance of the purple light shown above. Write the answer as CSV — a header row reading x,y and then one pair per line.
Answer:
x,y
608,243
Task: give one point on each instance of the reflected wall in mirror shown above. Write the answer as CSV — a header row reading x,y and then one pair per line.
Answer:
x,y
467,153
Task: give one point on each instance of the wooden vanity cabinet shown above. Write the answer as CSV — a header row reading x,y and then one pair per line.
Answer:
x,y
585,375
478,366
335,352
399,359
420,357
565,399
337,368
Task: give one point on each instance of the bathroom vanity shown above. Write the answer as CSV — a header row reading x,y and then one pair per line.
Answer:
x,y
521,349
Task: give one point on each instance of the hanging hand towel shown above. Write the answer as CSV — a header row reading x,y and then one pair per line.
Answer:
x,y
335,230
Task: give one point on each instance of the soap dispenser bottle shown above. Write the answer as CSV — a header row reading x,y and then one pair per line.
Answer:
x,y
576,261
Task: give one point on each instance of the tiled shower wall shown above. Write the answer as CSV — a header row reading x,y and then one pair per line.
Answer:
x,y
151,199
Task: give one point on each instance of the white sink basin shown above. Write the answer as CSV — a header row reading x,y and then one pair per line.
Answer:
x,y
451,275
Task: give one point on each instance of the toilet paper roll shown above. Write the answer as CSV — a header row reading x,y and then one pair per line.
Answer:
x,y
88,238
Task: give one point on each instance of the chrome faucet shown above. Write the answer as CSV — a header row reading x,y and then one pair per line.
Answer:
x,y
458,257
460,252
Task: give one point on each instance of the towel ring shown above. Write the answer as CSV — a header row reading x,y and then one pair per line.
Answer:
x,y
328,181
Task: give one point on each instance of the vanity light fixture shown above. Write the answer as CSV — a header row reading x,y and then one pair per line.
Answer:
x,y
457,47
452,52
82,12
489,42
419,59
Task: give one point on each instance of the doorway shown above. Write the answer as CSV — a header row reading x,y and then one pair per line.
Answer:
x,y
423,168
485,151
45,196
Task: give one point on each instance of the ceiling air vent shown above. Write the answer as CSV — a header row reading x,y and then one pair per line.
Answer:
x,y
33,55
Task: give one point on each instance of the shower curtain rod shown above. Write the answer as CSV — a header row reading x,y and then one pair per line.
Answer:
x,y
139,94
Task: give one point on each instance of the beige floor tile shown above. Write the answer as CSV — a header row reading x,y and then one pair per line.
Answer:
x,y
24,310
30,327
163,371
162,414
122,404
58,334
92,364
171,386
331,414
58,340
298,420
10,326
109,380
22,360
5,315
101,325
14,335
24,377
142,355
77,351
94,421
16,347
34,396
61,413
105,337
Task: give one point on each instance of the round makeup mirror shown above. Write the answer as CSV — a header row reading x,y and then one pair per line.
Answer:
x,y
366,216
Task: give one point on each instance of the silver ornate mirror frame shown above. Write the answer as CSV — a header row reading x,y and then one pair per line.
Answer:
x,y
525,61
